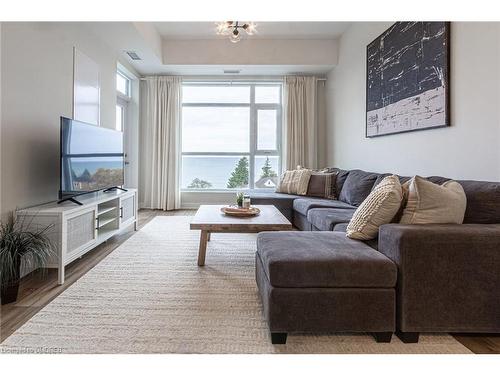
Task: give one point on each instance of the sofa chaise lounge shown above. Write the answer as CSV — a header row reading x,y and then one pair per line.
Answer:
x,y
442,277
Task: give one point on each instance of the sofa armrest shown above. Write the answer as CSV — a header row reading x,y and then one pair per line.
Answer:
x,y
448,276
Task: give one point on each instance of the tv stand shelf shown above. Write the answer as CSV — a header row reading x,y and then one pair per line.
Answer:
x,y
77,229
102,223
104,210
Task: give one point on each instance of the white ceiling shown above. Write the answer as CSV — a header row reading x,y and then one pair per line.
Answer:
x,y
265,30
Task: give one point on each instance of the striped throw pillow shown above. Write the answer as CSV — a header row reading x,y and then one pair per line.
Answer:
x,y
294,182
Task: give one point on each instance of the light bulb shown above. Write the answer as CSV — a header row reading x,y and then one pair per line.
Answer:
x,y
235,36
251,28
223,27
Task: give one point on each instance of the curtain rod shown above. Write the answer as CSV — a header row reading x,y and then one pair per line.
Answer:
x,y
232,78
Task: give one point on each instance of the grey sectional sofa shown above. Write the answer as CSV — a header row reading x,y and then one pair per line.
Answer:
x,y
411,279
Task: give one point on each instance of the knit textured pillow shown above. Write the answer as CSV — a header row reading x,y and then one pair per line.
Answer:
x,y
379,208
294,182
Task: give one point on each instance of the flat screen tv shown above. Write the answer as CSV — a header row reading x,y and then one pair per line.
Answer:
x,y
92,158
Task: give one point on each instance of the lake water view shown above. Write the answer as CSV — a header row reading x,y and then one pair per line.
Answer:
x,y
217,169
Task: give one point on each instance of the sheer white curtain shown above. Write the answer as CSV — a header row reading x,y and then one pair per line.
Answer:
x,y
160,142
300,122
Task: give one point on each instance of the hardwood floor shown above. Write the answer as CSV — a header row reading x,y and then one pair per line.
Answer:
x,y
38,289
480,343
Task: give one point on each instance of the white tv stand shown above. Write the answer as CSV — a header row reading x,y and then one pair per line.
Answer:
x,y
78,229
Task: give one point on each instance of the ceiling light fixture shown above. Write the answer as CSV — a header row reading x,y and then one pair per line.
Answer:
x,y
232,28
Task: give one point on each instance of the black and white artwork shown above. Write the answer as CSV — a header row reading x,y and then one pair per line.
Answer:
x,y
407,85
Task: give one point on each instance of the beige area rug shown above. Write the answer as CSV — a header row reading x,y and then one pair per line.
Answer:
x,y
149,296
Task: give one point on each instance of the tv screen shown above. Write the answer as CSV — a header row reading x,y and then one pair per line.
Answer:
x,y
91,158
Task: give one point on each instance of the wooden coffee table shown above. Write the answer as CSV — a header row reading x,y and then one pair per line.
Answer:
x,y
209,219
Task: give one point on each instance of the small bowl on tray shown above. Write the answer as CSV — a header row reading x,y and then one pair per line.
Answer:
x,y
240,211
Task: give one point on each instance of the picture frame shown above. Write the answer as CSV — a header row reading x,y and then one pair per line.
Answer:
x,y
408,79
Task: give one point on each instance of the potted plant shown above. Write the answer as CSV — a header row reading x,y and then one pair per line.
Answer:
x,y
239,199
20,244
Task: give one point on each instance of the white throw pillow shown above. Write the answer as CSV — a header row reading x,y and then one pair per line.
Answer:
x,y
430,203
380,207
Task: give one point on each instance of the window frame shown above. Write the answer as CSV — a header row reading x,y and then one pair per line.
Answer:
x,y
123,100
127,95
253,130
123,104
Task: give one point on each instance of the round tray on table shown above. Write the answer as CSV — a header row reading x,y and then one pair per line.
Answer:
x,y
240,212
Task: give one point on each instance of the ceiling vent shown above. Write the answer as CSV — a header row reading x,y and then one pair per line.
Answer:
x,y
232,71
133,55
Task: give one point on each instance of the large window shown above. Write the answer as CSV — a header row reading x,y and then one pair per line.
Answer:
x,y
231,135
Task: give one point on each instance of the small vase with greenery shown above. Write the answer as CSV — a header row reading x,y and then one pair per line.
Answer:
x,y
239,199
19,243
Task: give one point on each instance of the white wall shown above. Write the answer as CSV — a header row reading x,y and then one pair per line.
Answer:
x,y
250,52
470,148
37,88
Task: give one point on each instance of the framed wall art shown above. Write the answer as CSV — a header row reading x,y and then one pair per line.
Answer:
x,y
407,80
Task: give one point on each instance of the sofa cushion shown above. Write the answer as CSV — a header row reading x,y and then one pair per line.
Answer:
x,y
303,205
340,181
483,202
357,186
437,179
300,222
404,179
283,202
325,259
340,227
327,218
379,179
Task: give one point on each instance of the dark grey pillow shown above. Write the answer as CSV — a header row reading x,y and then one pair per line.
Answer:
x,y
483,202
379,179
357,186
404,179
339,180
437,179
